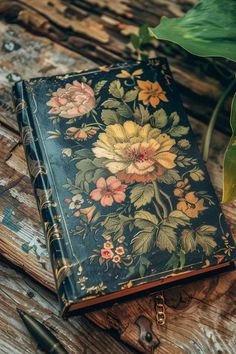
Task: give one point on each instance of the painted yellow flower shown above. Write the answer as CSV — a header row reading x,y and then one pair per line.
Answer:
x,y
151,92
135,153
124,74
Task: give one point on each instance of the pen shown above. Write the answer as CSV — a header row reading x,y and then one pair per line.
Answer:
x,y
45,339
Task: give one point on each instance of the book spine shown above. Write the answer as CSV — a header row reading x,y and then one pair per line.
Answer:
x,y
46,199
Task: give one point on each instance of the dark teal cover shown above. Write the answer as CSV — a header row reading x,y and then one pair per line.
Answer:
x,y
124,196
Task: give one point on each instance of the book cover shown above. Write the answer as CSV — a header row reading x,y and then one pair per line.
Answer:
x,y
125,199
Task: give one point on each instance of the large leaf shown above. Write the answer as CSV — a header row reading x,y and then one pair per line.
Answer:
x,y
229,190
166,239
145,220
141,194
142,242
206,30
188,240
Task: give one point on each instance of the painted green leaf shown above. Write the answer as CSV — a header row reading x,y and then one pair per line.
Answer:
x,y
166,239
169,177
109,116
99,86
182,259
146,216
207,243
141,114
115,89
174,118
142,242
141,194
188,241
208,29
159,118
130,95
229,189
178,131
145,220
111,103
177,217
125,111
206,230
83,154
204,238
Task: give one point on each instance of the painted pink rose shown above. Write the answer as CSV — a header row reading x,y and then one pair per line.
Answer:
x,y
106,254
74,100
108,191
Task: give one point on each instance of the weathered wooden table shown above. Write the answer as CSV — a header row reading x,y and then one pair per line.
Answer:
x,y
50,37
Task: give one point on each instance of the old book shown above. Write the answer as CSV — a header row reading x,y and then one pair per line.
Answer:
x,y
125,199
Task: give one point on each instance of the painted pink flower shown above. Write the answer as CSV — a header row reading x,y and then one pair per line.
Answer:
x,y
74,100
108,245
108,191
120,250
106,254
116,259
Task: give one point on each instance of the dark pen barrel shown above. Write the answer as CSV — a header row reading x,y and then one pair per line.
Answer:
x,y
44,338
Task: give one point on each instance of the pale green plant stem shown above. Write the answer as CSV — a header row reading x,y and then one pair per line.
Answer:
x,y
157,210
210,128
167,197
159,200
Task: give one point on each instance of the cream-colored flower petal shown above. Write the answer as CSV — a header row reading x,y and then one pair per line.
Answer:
x,y
115,166
100,152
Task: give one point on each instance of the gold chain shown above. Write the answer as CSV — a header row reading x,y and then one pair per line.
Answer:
x,y
160,309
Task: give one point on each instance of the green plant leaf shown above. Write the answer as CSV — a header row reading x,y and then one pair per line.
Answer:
x,y
177,217
178,131
159,118
229,185
146,216
188,240
99,86
109,116
130,95
115,89
204,238
206,230
141,194
174,118
125,111
141,114
166,239
207,244
169,177
142,242
208,29
111,103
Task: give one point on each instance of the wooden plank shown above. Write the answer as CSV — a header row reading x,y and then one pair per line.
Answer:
x,y
78,335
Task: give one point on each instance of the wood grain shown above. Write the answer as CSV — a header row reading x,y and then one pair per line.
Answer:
x,y
78,335
200,315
